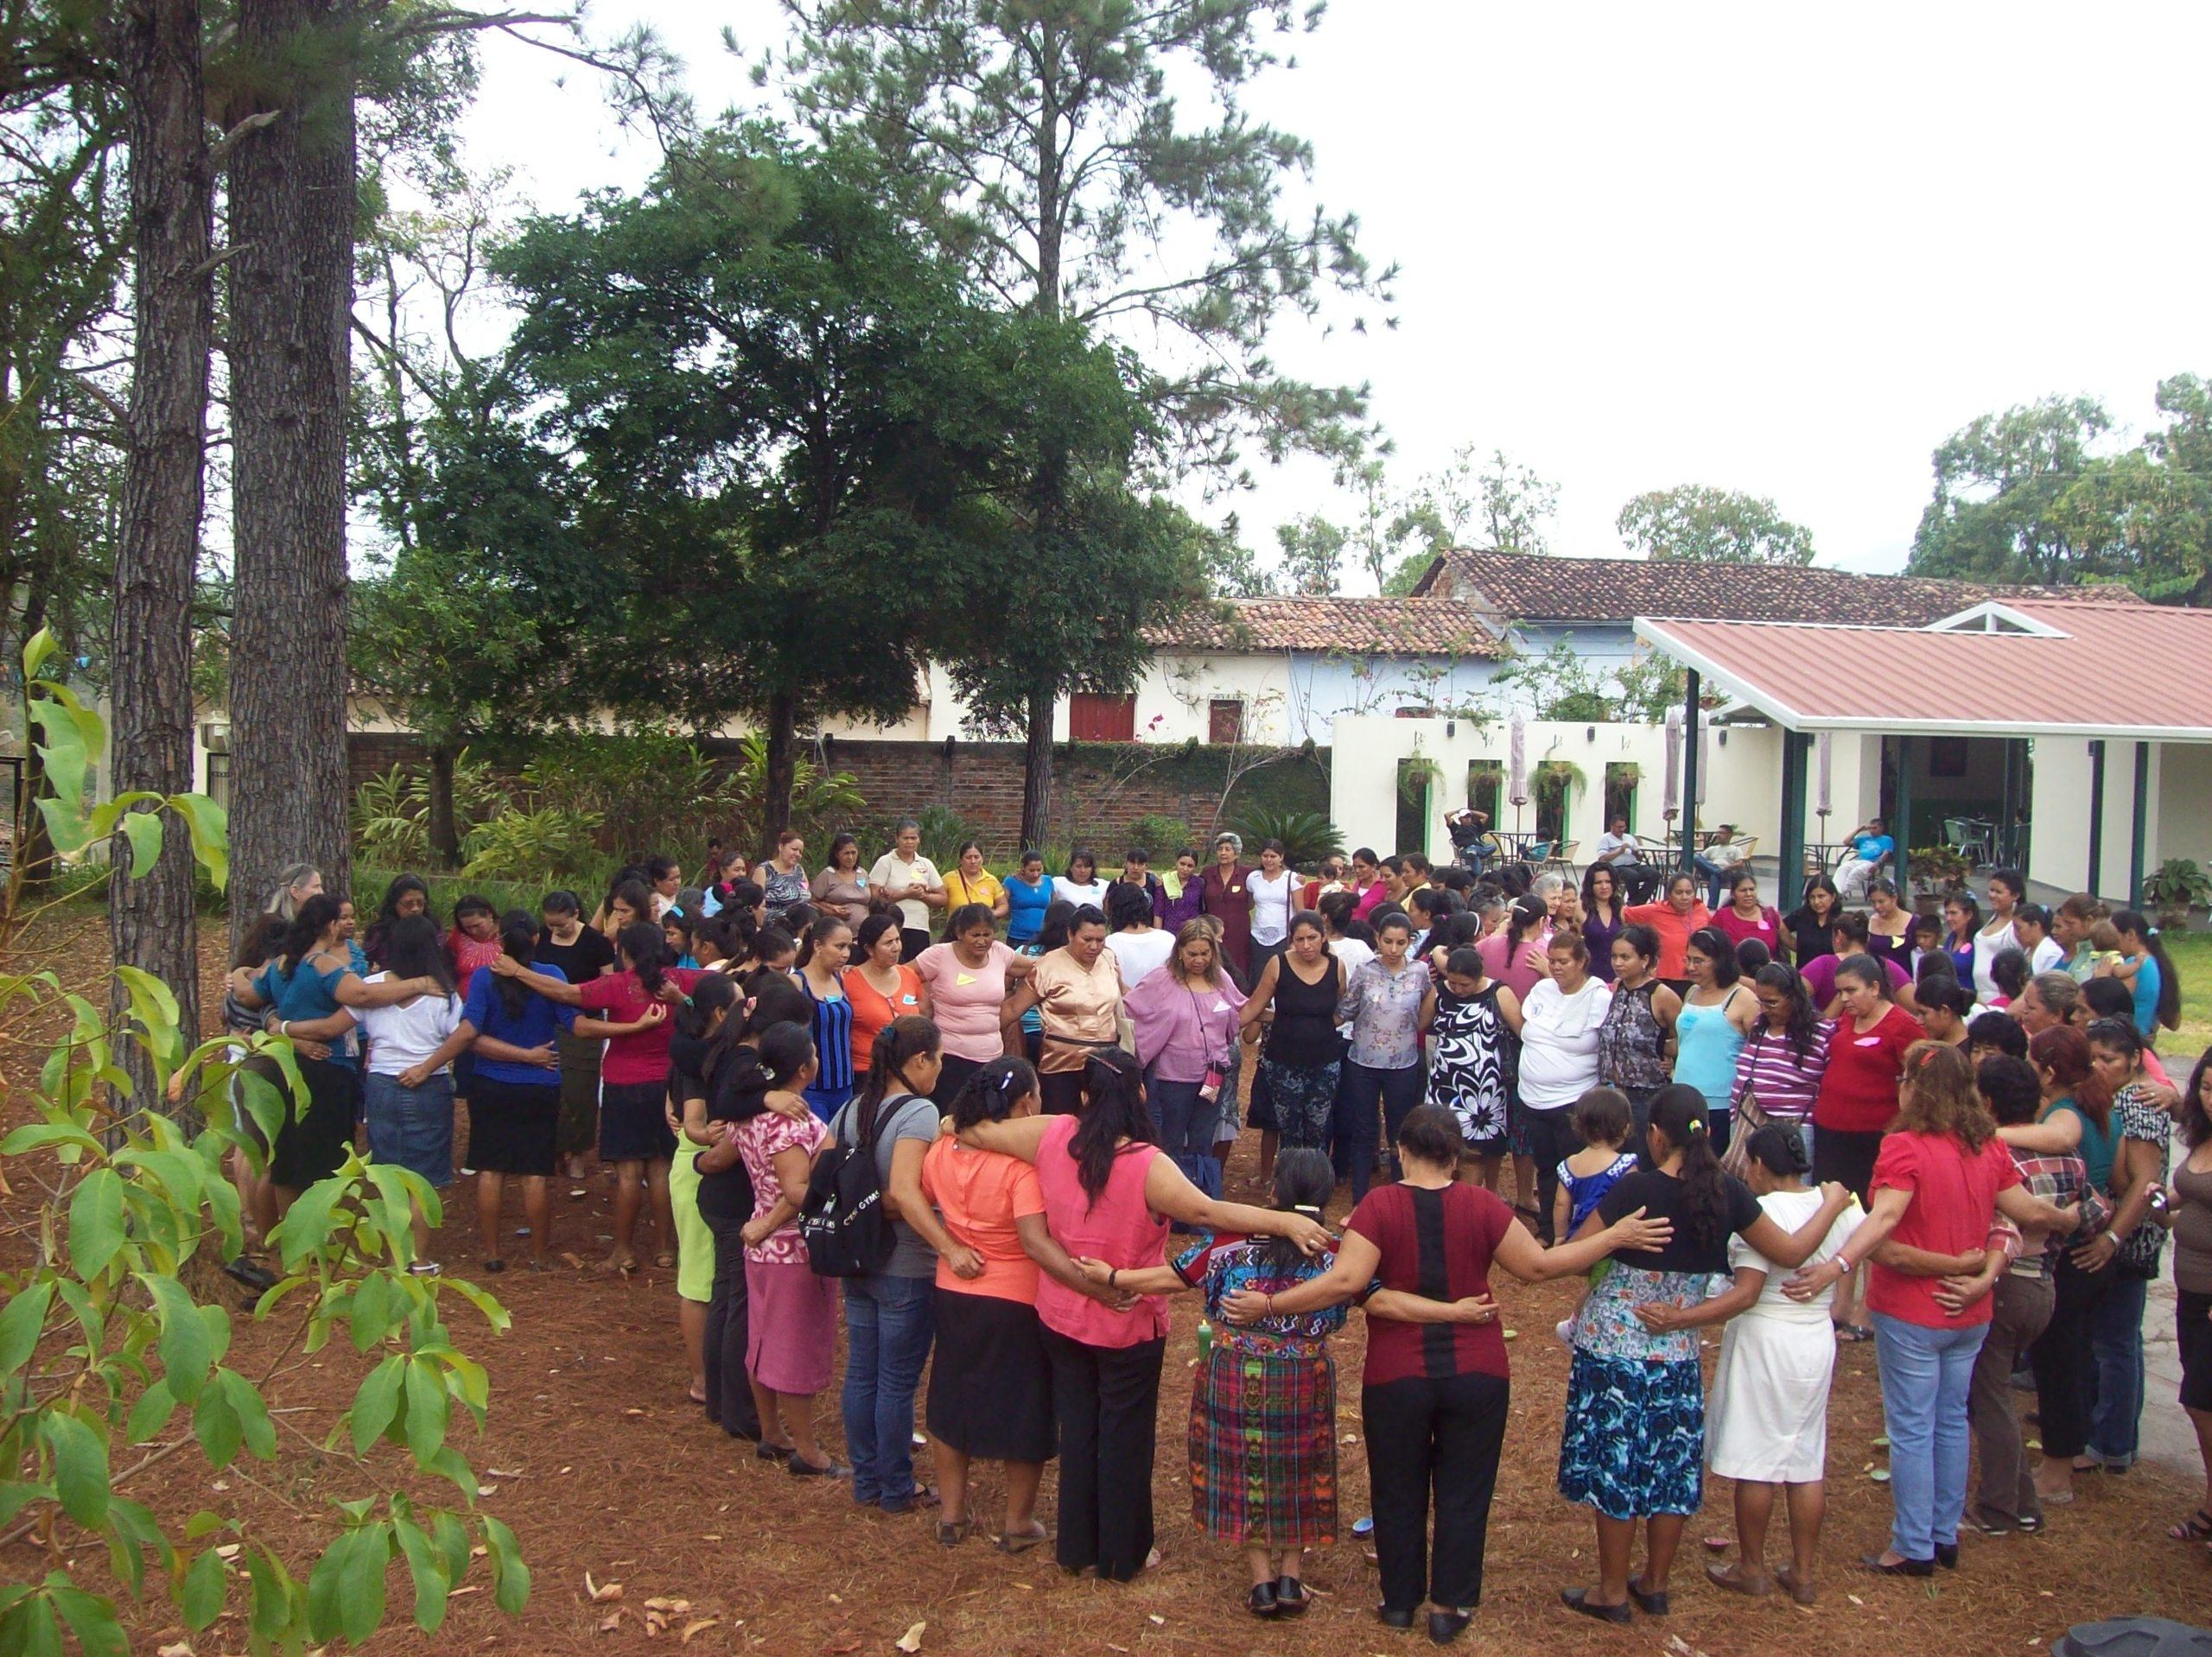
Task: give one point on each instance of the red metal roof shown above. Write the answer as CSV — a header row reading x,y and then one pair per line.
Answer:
x,y
2109,669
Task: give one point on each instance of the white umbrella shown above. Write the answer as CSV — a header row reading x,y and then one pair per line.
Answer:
x,y
1671,798
1516,761
1824,746
1704,757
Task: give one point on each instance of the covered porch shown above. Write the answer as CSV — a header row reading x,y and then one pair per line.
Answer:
x,y
1993,731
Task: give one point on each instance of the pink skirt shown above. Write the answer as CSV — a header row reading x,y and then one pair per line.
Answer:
x,y
791,1335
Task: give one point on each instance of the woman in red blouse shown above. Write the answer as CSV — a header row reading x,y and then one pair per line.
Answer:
x,y
1859,1096
1225,894
1674,921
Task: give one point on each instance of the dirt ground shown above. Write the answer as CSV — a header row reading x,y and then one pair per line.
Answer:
x,y
596,1459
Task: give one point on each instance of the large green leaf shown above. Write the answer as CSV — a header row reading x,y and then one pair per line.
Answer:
x,y
376,1402
205,1585
91,1618
511,1589
20,1323
80,1466
96,1233
218,1427
361,1583
210,840
186,1346
143,830
428,1406
427,1569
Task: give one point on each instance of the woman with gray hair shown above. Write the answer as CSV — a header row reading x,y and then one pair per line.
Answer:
x,y
295,883
1226,895
904,877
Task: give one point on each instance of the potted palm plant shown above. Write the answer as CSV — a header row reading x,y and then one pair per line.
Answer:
x,y
2175,887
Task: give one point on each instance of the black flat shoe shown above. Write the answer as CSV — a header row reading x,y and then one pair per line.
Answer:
x,y
805,1469
252,1273
1402,1620
1260,1602
1947,1555
772,1452
1903,1568
1445,1627
1291,1597
1650,1604
1578,1599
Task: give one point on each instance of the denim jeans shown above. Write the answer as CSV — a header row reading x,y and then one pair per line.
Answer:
x,y
1186,1125
411,1126
1717,877
1926,1377
889,1321
2116,1345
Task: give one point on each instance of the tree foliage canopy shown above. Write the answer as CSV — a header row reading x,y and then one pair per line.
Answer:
x,y
1696,524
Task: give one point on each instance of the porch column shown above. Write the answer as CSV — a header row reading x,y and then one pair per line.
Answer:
x,y
2135,837
1795,746
1690,769
2096,817
1901,830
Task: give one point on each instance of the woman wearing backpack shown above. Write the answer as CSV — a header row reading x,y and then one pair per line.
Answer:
x,y
888,1310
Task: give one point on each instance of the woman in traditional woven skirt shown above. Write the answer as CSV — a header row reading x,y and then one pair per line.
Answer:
x,y
1263,1413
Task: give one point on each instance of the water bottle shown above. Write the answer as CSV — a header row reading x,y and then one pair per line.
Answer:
x,y
1206,1337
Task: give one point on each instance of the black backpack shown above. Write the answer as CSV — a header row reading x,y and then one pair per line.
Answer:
x,y
842,1221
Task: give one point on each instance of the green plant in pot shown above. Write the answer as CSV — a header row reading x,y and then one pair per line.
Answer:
x,y
1936,870
2176,886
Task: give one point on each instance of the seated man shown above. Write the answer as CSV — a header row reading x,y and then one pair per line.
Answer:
x,y
1871,851
1617,851
1717,863
1471,837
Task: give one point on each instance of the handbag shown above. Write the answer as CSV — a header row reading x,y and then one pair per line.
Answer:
x,y
1750,1118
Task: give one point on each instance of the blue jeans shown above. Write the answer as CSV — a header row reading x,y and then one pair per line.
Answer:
x,y
1717,877
1357,1094
411,1126
1186,1125
888,1322
2116,1344
1927,1375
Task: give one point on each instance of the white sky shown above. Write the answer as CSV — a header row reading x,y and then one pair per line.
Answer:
x,y
1783,249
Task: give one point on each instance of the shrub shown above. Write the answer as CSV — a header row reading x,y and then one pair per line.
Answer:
x,y
103,1342
1162,836
551,843
1307,837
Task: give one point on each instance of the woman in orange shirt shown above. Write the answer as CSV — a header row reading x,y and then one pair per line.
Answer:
x,y
880,987
1682,913
990,1378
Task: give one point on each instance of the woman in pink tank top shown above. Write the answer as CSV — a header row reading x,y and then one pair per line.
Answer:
x,y
1109,1196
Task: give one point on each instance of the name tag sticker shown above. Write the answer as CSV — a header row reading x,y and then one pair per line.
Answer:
x,y
1867,1041
963,978
1221,1007
906,1000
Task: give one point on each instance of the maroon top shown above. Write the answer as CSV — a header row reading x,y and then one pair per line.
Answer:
x,y
1230,902
1436,1244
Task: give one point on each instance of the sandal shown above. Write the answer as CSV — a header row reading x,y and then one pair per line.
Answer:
x,y
1800,1591
2197,1527
1853,1333
665,1258
619,1264
951,1533
1731,1577
1021,1541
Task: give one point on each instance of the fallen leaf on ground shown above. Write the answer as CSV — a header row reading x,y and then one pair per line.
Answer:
x,y
180,1650
505,1473
228,1551
613,1622
487,1489
697,1625
911,1639
600,1591
675,1607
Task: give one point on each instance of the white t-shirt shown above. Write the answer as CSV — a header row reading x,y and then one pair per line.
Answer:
x,y
895,874
1271,907
1790,1209
402,1036
1079,893
1354,954
2049,957
1558,1041
1141,952
1607,842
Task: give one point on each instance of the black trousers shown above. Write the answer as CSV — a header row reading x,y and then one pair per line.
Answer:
x,y
730,1388
953,1077
2065,1363
1107,1399
1551,1141
1441,1435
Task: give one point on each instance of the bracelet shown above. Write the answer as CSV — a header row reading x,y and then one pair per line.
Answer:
x,y
1112,1273
283,1026
1271,1305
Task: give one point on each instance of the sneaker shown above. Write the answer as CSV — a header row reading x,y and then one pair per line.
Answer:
x,y
424,1268
252,1273
1564,1329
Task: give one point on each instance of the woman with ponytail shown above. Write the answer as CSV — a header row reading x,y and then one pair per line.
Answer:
x,y
990,1383
1633,1448
633,1130
1769,1409
888,1312
1110,1196
711,1007
1940,1179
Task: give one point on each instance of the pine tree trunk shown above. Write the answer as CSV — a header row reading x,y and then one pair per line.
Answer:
x,y
151,918
292,211
445,833
779,771
31,867
1037,770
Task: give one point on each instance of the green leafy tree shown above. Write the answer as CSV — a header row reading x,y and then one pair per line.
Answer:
x,y
2006,507
104,1344
1043,148
1313,553
1692,523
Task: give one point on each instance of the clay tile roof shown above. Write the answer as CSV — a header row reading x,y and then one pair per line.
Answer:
x,y
1365,626
1523,587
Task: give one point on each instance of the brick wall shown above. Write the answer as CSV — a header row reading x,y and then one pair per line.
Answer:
x,y
1095,796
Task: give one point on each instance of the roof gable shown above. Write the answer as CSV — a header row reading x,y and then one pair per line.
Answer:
x,y
1415,627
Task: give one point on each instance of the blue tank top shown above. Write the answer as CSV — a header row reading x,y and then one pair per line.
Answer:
x,y
1706,1045
1025,907
833,1041
305,994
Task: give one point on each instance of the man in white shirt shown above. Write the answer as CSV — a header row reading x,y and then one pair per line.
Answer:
x,y
1617,851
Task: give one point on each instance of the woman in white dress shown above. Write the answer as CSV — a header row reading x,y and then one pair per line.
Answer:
x,y
1766,1421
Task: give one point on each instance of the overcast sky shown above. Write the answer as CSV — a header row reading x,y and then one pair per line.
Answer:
x,y
1781,249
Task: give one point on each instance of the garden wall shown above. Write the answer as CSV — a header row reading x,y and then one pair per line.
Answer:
x,y
1101,790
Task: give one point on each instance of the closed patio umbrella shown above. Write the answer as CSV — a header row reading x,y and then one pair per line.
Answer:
x,y
1824,748
1670,798
1516,761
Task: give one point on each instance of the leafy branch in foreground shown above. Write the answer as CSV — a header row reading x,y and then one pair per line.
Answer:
x,y
106,1347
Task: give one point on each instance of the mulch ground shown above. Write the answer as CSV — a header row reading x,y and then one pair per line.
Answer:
x,y
595,1457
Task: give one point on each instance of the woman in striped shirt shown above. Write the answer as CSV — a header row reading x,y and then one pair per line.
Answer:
x,y
1786,1053
821,974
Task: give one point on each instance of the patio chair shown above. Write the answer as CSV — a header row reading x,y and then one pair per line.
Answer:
x,y
1562,857
1969,839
